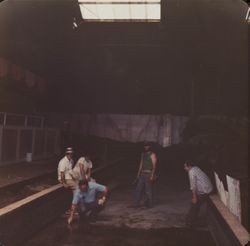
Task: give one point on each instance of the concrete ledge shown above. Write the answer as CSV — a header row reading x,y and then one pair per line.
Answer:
x,y
23,202
21,219
224,226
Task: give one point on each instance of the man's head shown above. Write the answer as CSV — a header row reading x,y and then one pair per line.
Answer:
x,y
188,165
69,153
83,185
87,157
147,146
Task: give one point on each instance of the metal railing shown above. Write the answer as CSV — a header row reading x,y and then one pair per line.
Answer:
x,y
21,134
11,119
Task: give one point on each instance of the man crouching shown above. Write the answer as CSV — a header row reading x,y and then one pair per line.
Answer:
x,y
89,198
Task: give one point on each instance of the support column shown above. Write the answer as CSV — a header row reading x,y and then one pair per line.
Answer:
x,y
1,141
192,99
45,143
105,153
33,142
18,144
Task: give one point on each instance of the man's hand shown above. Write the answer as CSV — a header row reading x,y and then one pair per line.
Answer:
x,y
102,201
88,177
194,200
70,219
72,212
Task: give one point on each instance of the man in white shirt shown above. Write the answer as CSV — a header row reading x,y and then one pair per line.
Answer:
x,y
82,169
64,169
201,187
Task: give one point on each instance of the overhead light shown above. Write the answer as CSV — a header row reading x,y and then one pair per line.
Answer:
x,y
74,26
120,10
76,23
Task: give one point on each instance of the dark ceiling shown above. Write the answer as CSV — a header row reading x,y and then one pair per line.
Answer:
x,y
133,67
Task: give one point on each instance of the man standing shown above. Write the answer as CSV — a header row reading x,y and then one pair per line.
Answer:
x,y
64,170
201,187
146,176
88,197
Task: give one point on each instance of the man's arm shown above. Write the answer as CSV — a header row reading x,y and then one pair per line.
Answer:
x,y
140,168
61,169
72,211
89,172
73,207
154,160
83,174
192,178
103,197
194,197
89,167
63,178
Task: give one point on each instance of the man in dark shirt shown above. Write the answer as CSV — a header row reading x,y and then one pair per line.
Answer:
x,y
145,176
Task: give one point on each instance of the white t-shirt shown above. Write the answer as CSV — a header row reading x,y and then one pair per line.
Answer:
x,y
65,165
87,164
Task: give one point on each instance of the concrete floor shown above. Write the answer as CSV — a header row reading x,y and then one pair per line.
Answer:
x,y
119,224
169,211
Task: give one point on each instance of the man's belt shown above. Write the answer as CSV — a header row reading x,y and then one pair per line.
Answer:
x,y
146,171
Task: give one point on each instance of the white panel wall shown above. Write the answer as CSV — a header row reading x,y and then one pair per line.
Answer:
x,y
230,198
163,129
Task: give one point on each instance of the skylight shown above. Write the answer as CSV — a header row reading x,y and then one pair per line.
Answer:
x,y
121,10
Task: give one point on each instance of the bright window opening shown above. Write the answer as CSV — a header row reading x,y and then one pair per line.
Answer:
x,y
121,10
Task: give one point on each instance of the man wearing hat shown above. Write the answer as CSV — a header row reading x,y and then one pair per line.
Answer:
x,y
146,176
65,168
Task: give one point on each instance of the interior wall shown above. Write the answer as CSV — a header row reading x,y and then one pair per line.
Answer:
x,y
162,129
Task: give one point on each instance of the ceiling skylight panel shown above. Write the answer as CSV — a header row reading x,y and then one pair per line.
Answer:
x,y
120,10
153,11
105,11
89,11
138,11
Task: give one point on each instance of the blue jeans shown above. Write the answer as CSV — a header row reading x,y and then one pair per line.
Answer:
x,y
144,188
94,207
193,213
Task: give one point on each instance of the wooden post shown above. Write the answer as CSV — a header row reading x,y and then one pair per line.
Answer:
x,y
105,153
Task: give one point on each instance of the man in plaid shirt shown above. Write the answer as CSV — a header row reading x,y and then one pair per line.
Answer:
x,y
201,187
